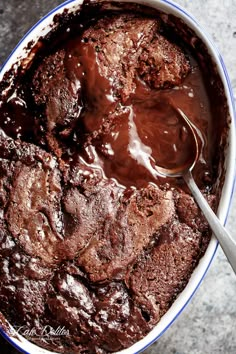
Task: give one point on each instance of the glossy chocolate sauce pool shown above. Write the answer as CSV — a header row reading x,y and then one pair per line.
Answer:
x,y
92,239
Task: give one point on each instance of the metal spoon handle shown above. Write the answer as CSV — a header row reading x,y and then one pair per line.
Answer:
x,y
227,243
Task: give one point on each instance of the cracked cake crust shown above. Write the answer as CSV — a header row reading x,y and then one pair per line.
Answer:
x,y
90,238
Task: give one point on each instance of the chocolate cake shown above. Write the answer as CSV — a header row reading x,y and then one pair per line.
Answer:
x,y
92,239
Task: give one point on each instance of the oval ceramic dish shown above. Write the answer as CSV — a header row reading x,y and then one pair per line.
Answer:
x,y
20,52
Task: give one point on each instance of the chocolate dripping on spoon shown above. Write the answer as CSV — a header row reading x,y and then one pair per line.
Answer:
x,y
226,241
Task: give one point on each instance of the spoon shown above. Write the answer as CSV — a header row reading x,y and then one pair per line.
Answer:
x,y
226,241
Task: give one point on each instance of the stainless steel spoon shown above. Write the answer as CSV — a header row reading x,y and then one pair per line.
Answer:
x,y
226,241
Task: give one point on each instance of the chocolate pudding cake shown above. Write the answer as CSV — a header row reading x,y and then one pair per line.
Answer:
x,y
93,240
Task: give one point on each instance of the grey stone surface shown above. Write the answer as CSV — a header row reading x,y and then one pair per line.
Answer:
x,y
208,324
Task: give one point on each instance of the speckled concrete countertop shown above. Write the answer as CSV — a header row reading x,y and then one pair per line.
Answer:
x,y
208,324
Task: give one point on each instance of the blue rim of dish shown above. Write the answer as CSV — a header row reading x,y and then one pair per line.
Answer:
x,y
233,100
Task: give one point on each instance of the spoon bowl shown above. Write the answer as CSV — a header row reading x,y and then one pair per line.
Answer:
x,y
188,165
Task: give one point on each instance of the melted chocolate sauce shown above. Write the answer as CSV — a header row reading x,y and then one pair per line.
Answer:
x,y
147,130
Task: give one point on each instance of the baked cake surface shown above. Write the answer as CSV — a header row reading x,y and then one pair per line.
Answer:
x,y
91,238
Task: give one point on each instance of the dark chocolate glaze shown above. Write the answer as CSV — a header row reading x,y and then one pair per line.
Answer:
x,y
91,237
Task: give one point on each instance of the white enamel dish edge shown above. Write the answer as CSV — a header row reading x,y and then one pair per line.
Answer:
x,y
42,28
